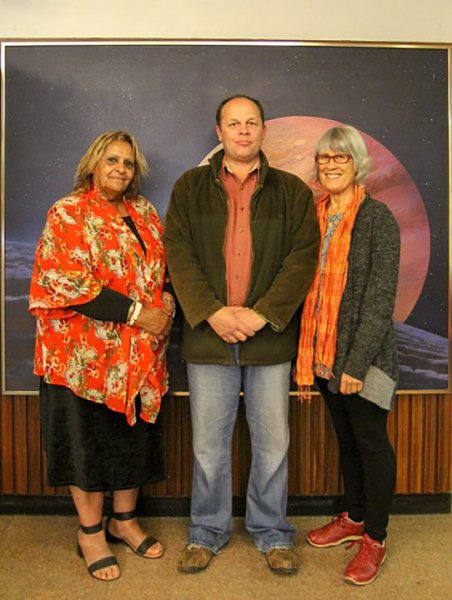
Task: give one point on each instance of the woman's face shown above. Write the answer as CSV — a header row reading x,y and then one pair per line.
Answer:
x,y
115,170
336,178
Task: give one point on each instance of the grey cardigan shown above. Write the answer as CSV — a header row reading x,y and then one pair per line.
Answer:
x,y
366,347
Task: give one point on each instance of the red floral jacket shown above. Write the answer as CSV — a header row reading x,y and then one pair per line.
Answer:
x,y
86,245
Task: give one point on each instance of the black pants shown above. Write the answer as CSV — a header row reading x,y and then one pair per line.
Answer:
x,y
366,457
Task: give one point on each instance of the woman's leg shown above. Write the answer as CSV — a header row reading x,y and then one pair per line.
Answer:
x,y
349,455
379,470
369,423
129,530
89,507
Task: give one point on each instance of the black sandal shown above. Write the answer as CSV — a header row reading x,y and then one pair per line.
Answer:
x,y
147,543
107,561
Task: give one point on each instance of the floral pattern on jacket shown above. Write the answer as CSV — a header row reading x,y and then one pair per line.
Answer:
x,y
86,245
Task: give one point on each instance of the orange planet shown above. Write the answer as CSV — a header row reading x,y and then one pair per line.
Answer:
x,y
290,145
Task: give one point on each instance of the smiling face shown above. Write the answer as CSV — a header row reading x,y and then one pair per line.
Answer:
x,y
115,170
241,130
337,179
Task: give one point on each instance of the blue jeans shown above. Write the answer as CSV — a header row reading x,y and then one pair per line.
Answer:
x,y
214,399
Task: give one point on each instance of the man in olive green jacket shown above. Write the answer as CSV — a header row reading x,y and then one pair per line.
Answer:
x,y
242,242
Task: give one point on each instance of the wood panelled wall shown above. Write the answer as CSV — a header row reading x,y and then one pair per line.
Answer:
x,y
419,429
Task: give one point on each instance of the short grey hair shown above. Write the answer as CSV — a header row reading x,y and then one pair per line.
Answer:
x,y
345,140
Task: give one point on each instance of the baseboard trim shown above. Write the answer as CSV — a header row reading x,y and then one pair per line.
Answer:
x,y
403,504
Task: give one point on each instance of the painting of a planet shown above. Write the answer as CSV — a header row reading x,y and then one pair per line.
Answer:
x,y
398,98
290,145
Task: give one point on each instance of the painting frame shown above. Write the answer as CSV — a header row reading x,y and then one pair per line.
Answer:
x,y
38,78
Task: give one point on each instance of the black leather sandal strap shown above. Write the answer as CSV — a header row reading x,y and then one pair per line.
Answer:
x,y
124,516
145,545
91,528
107,561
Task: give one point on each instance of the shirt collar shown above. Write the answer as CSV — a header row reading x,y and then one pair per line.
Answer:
x,y
228,169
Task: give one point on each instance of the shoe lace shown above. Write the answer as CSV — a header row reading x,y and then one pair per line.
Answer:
x,y
336,520
366,551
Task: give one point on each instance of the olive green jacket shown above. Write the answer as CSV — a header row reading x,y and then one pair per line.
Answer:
x,y
285,239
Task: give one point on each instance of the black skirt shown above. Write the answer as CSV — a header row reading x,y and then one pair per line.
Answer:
x,y
93,447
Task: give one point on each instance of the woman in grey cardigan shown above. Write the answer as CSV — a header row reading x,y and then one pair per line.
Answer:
x,y
347,345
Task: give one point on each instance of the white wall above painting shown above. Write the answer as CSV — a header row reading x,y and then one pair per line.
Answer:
x,y
382,21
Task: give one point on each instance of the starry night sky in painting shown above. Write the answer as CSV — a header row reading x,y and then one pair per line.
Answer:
x,y
59,97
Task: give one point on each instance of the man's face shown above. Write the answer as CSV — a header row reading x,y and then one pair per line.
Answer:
x,y
241,130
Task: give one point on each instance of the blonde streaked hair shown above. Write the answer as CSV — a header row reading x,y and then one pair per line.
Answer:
x,y
87,165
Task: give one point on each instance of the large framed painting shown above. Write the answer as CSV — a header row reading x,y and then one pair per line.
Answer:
x,y
57,97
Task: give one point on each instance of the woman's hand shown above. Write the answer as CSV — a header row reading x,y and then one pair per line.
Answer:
x,y
169,304
155,320
350,385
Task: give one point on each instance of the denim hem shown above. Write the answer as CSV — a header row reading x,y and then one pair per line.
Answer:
x,y
279,545
204,545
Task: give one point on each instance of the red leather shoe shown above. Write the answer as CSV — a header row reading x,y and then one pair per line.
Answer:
x,y
364,568
339,530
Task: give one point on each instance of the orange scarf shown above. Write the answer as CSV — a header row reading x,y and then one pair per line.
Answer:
x,y
321,329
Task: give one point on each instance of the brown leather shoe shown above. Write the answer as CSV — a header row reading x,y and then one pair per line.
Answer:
x,y
282,561
194,558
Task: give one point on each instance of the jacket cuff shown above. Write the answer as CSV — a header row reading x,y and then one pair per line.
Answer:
x,y
272,325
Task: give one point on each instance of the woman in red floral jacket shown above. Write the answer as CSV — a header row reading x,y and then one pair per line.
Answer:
x,y
103,318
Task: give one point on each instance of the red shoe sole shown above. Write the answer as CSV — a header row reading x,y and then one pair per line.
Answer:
x,y
349,538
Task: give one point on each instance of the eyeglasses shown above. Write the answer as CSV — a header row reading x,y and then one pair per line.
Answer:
x,y
340,159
